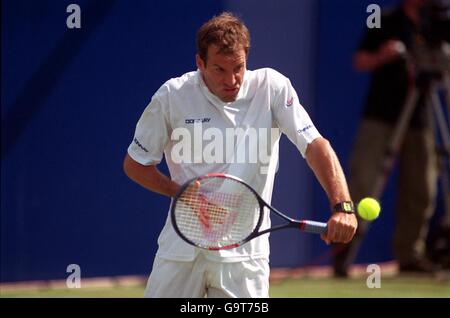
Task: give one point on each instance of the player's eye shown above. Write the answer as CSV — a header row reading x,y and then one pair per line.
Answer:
x,y
238,68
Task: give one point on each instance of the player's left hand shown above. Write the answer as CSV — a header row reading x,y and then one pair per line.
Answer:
x,y
207,212
341,228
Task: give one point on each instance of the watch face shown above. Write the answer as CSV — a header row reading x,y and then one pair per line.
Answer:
x,y
347,207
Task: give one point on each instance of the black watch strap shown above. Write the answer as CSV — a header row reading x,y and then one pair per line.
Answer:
x,y
344,206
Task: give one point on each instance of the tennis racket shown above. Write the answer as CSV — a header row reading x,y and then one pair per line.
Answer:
x,y
219,211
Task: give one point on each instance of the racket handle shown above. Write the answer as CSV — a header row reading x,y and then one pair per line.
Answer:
x,y
313,227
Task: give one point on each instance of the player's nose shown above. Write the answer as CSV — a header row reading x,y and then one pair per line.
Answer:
x,y
230,80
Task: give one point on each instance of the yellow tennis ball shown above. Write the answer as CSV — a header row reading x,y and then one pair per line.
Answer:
x,y
368,209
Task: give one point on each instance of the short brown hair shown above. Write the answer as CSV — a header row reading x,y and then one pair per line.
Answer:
x,y
225,31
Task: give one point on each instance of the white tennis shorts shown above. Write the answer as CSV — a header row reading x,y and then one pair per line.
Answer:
x,y
205,278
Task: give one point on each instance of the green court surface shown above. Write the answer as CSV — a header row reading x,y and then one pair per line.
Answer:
x,y
357,288
404,287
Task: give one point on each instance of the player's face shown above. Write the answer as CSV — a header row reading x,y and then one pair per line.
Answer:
x,y
223,74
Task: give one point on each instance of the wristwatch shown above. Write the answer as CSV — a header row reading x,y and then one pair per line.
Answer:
x,y
344,206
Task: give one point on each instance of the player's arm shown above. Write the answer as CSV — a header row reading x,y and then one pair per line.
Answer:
x,y
323,161
149,177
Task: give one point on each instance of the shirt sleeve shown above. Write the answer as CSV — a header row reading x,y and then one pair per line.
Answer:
x,y
292,119
151,135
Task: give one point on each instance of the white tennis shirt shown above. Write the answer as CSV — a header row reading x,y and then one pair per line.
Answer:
x,y
199,134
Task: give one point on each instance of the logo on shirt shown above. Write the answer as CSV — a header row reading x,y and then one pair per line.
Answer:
x,y
289,102
139,144
300,131
197,120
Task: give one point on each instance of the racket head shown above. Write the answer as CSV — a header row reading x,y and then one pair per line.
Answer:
x,y
216,212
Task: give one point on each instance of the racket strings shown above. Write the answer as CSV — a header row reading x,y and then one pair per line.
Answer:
x,y
218,212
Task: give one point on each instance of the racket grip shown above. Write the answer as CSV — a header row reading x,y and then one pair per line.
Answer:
x,y
313,227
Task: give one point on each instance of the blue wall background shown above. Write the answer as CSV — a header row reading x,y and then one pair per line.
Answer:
x,y
70,100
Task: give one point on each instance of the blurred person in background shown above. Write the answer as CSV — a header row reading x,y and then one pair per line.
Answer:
x,y
382,53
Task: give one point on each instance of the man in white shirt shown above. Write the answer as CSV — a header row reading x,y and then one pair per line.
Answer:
x,y
203,122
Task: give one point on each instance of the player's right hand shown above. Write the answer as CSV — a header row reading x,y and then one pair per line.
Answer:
x,y
341,227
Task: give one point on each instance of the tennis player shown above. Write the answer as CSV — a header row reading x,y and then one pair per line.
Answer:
x,y
222,96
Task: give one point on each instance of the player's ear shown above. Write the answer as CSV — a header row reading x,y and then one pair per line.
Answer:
x,y
200,63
